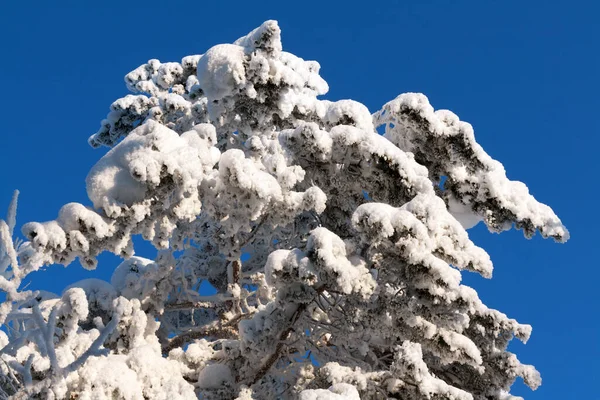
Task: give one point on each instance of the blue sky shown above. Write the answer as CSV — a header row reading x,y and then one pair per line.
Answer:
x,y
525,74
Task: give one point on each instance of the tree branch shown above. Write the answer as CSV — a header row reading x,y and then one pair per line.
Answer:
x,y
272,359
213,330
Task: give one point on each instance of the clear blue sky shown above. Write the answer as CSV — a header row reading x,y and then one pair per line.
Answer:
x,y
524,73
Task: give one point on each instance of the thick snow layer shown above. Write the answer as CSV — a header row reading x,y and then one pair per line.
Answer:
x,y
150,154
340,391
463,214
76,217
214,376
128,278
97,291
431,231
142,374
266,37
324,263
349,112
221,71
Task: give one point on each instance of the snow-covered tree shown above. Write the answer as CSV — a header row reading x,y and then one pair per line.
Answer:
x,y
334,253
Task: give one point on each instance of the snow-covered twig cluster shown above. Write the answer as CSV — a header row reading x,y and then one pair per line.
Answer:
x,y
333,255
